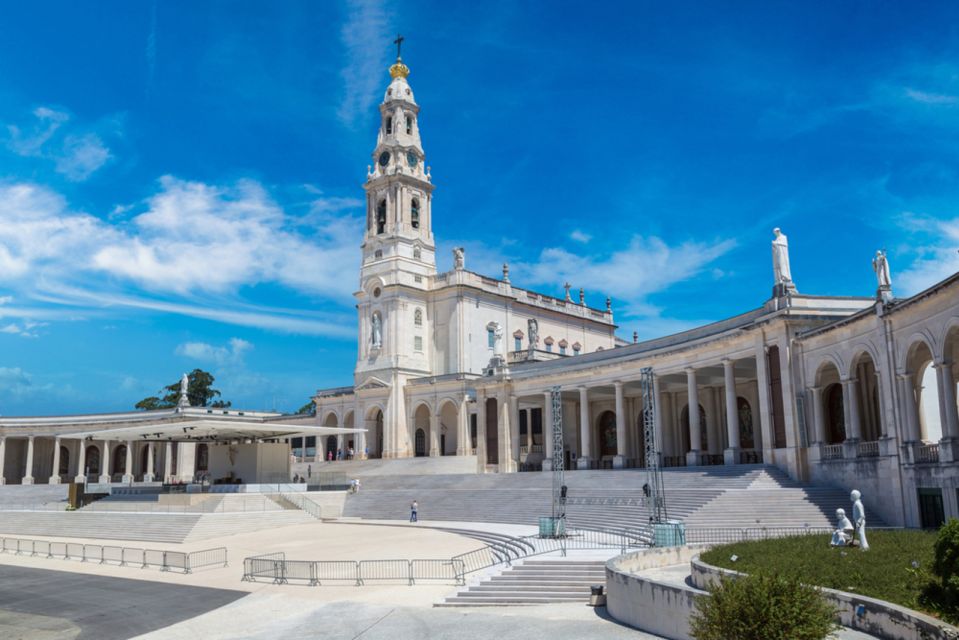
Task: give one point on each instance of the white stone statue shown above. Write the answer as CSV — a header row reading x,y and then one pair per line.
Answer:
x,y
184,400
781,270
859,518
376,332
497,338
844,530
881,266
459,258
533,329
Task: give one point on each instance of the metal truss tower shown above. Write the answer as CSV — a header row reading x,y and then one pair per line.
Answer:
x,y
655,493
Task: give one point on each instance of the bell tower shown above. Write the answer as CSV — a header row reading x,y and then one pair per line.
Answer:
x,y
399,258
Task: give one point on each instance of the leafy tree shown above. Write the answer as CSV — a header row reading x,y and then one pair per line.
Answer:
x,y
762,606
308,409
199,391
942,592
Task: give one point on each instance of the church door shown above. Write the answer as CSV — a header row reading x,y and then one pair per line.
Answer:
x,y
420,443
607,434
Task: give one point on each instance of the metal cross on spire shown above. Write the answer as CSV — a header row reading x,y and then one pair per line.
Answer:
x,y
399,44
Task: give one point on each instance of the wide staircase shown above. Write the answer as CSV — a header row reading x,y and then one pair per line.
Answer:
x,y
35,497
537,581
703,497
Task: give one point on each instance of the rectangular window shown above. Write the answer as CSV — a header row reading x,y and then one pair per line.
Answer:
x,y
490,339
549,347
931,512
575,351
418,343
519,344
562,351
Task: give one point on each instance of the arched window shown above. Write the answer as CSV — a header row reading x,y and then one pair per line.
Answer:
x,y
409,125
577,347
418,317
381,217
389,125
549,344
415,213
417,254
562,347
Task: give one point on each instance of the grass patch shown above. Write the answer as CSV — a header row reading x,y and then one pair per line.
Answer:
x,y
885,571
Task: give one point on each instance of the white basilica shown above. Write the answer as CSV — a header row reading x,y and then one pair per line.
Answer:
x,y
844,391
833,390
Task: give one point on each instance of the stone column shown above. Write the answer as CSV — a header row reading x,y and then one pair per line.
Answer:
x,y
695,435
818,415
3,457
731,455
168,462
765,403
105,476
619,460
148,475
949,445
128,475
55,473
713,439
851,410
513,433
81,463
584,454
28,471
547,431
481,455
660,405
463,444
910,408
434,435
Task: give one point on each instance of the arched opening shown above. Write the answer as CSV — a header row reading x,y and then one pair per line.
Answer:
x,y
420,443
351,442
926,388
867,396
492,431
418,318
415,213
747,438
449,432
389,125
703,436
606,428
374,433
835,414
409,125
202,457
381,217
330,451
92,460
421,422
417,253
120,459
64,468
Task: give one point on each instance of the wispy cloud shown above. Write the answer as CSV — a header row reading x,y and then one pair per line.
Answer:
x,y
363,34
230,354
580,236
76,156
934,258
25,329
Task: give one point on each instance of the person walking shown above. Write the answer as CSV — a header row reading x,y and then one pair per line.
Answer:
x,y
413,509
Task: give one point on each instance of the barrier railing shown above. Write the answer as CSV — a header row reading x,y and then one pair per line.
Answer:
x,y
182,561
276,568
728,535
304,504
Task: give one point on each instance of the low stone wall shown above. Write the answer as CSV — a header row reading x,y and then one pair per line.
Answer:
x,y
645,603
878,617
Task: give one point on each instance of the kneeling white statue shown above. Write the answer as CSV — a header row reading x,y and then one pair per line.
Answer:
x,y
843,534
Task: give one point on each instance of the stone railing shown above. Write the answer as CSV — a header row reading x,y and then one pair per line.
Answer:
x,y
830,452
927,454
868,449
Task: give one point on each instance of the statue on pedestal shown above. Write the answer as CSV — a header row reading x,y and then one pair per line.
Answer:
x,y
184,400
376,331
459,258
533,329
782,274
881,266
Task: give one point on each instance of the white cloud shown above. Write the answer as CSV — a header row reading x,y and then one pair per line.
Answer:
x,y
26,329
931,98
230,354
6,299
580,236
936,257
17,383
75,155
363,35
645,266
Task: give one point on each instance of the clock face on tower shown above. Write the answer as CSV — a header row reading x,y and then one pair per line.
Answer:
x,y
412,159
384,158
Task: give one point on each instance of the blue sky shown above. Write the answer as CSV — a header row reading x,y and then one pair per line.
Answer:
x,y
180,182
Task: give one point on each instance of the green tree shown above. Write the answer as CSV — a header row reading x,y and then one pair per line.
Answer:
x,y
199,391
942,592
762,607
308,409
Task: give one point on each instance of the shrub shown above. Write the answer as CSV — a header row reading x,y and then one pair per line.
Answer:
x,y
942,592
762,606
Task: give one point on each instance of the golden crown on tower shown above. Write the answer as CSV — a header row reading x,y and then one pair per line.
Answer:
x,y
399,70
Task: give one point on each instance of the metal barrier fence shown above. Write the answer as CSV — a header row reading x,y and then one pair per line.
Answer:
x,y
279,570
304,504
729,535
182,561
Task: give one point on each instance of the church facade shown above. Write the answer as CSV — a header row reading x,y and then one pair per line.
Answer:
x,y
836,390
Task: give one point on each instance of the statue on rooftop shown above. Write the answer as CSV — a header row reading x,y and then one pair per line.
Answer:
x,y
781,271
184,400
459,258
880,264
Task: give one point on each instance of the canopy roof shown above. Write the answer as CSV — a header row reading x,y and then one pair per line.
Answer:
x,y
207,430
